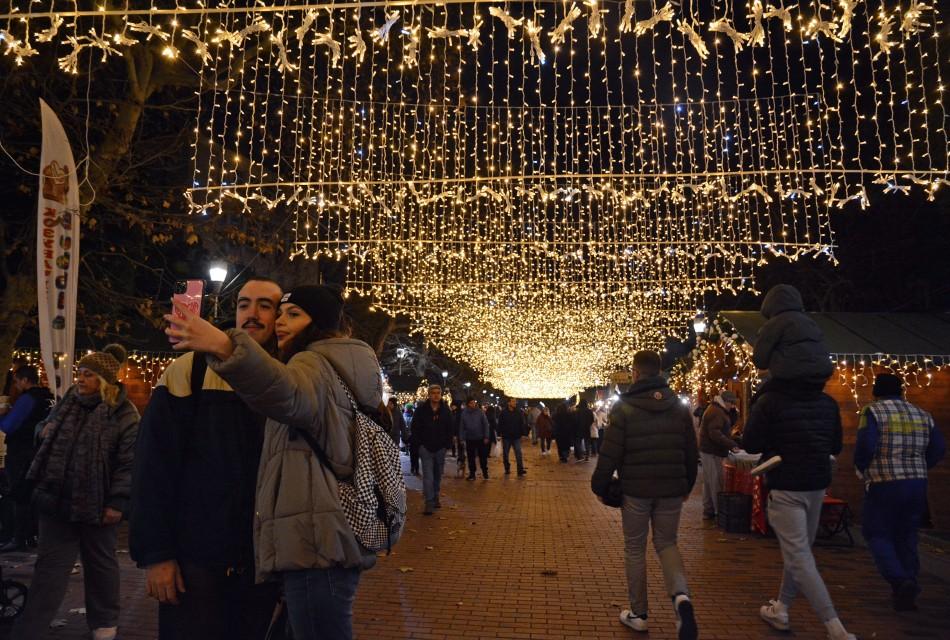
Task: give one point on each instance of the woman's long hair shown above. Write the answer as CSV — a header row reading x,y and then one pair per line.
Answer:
x,y
109,392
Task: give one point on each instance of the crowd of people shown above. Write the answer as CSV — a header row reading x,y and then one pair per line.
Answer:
x,y
231,478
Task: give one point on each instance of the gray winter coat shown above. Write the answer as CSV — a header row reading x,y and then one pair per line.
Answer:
x,y
790,345
299,522
474,424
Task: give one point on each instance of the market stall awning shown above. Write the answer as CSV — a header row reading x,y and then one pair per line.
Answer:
x,y
898,334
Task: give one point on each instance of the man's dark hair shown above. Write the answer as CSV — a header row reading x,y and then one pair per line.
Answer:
x,y
262,279
471,399
27,372
648,363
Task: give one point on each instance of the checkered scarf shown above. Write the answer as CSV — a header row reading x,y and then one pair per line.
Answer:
x,y
902,446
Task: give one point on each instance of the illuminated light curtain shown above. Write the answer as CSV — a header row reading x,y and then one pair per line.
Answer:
x,y
558,160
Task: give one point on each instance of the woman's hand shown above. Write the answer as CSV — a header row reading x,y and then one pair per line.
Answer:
x,y
194,333
111,516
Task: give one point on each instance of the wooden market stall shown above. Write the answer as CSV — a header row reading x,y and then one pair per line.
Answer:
x,y
915,346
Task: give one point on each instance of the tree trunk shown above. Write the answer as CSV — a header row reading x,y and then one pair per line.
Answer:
x,y
16,305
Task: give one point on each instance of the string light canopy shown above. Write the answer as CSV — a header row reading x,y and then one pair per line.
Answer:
x,y
530,178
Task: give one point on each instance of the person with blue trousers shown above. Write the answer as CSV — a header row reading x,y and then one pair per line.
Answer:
x,y
433,428
474,431
897,443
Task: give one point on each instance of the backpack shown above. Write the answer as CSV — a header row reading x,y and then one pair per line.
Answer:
x,y
374,499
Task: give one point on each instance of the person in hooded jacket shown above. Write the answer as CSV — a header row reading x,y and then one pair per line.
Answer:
x,y
31,407
799,422
301,535
651,444
790,345
474,433
82,479
511,426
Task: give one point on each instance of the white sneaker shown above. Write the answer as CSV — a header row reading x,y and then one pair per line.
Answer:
x,y
637,623
104,633
776,615
850,636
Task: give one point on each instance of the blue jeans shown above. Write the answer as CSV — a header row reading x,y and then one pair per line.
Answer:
x,y
892,513
320,602
433,462
508,445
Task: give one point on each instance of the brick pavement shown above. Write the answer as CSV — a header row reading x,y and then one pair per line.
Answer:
x,y
540,558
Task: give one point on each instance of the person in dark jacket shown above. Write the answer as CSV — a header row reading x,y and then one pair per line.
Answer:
x,y
714,445
790,345
474,433
511,426
799,422
651,444
19,425
195,478
563,431
82,478
544,427
897,444
398,421
583,419
491,412
433,428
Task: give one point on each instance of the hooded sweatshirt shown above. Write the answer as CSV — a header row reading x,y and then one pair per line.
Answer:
x,y
790,345
650,442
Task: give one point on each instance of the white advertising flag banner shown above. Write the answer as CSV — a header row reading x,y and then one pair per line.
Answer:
x,y
57,253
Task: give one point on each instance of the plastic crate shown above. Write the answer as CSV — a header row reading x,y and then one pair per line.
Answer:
x,y
735,512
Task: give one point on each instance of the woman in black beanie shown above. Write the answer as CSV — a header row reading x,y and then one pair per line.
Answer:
x,y
301,535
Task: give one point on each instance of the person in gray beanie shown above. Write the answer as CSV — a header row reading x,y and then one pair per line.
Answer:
x,y
714,445
82,478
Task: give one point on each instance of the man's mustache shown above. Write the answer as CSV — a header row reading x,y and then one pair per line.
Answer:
x,y
252,323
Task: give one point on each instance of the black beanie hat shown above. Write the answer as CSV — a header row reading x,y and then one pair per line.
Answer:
x,y
323,303
887,385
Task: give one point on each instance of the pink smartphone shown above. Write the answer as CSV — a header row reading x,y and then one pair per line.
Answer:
x,y
187,293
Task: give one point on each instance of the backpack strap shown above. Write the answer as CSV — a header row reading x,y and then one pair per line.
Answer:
x,y
199,366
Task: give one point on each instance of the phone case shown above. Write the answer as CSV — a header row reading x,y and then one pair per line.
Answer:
x,y
190,299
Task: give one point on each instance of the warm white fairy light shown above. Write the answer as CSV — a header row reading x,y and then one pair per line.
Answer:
x,y
580,157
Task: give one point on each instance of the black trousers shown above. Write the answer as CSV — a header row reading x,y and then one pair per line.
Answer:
x,y
413,457
216,606
19,522
477,447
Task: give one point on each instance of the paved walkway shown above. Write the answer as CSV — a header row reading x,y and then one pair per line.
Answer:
x,y
539,557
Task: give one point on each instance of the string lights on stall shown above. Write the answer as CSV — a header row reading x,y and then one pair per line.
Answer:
x,y
150,365
544,186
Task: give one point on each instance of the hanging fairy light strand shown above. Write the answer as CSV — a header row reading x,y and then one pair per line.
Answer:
x,y
500,171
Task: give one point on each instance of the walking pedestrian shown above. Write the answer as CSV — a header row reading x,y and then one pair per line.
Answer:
x,y
532,415
799,422
433,427
194,485
714,446
19,424
583,421
474,433
545,429
398,420
563,431
651,444
897,443
82,478
491,412
511,425
301,535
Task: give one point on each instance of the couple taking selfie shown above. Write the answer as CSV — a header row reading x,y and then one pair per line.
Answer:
x,y
232,516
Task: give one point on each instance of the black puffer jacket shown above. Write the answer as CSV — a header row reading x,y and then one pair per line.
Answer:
x,y
511,424
790,345
801,424
651,441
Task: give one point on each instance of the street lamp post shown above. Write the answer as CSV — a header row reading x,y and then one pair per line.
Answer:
x,y
217,274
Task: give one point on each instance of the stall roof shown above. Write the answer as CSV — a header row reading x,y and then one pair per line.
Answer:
x,y
923,334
